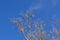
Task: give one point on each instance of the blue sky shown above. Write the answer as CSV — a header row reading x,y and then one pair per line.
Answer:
x,y
43,9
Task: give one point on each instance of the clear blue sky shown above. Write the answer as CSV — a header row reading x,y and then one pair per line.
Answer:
x,y
12,8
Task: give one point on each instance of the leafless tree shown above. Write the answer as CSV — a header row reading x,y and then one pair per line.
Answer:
x,y
34,29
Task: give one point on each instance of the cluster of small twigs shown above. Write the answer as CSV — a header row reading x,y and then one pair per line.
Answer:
x,y
34,30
